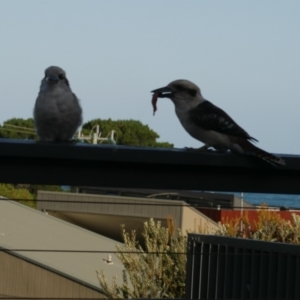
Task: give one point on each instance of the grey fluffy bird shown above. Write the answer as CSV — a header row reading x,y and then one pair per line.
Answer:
x,y
57,112
208,123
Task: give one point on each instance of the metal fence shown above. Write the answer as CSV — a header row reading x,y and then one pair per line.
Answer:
x,y
232,268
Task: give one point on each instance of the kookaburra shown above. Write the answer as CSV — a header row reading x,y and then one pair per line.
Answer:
x,y
57,112
208,123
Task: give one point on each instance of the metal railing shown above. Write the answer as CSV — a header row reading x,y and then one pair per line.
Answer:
x,y
138,167
233,268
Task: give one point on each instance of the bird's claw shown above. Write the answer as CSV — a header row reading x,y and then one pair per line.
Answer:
x,y
201,149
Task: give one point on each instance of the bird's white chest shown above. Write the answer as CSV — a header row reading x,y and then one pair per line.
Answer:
x,y
55,100
194,131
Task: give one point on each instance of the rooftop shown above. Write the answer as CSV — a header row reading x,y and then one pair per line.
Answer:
x,y
57,245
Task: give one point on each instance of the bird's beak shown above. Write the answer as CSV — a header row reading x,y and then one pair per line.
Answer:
x,y
164,92
52,78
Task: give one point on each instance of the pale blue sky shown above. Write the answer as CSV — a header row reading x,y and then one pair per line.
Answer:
x,y
244,55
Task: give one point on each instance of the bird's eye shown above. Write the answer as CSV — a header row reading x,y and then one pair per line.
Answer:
x,y
61,76
180,87
192,92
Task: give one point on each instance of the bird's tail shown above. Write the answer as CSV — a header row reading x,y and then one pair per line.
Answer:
x,y
266,156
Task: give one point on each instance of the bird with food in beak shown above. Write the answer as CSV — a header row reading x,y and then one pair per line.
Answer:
x,y
208,123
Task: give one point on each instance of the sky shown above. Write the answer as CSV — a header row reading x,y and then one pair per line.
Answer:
x,y
244,55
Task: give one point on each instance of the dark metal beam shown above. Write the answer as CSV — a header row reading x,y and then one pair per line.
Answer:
x,y
137,167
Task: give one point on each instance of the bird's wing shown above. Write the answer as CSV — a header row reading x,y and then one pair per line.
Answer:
x,y
210,117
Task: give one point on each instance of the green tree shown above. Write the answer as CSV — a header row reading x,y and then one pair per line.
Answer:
x,y
156,270
129,132
18,129
21,195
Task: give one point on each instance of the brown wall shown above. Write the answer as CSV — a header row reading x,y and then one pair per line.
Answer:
x,y
224,215
20,278
109,205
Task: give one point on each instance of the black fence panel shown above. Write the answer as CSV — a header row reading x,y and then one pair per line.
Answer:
x,y
232,268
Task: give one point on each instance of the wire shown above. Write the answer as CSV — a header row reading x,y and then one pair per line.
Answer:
x,y
20,127
18,131
255,252
89,251
45,298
